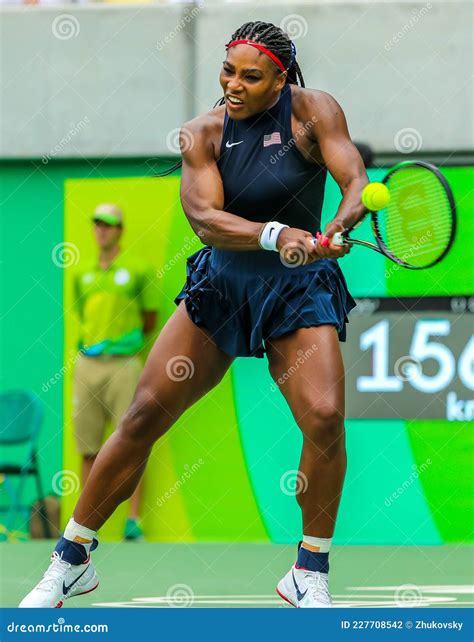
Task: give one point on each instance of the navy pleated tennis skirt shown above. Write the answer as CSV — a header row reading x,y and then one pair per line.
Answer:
x,y
243,299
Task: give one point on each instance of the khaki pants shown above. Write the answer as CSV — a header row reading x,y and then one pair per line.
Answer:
x,y
103,389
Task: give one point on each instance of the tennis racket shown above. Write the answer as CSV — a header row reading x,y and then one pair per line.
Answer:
x,y
417,227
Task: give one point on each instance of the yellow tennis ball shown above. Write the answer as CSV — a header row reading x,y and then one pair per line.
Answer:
x,y
375,196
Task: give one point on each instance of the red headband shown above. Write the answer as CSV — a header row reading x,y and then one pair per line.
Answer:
x,y
261,48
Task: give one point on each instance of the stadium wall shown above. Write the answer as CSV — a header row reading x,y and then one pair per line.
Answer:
x,y
106,81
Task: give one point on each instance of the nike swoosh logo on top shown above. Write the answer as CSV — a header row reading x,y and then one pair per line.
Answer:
x,y
299,594
229,144
66,589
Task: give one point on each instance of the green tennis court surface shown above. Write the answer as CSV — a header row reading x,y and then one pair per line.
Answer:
x,y
244,575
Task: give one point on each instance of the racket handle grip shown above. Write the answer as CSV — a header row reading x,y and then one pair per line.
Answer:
x,y
338,239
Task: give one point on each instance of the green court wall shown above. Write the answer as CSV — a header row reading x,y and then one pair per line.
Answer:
x,y
217,474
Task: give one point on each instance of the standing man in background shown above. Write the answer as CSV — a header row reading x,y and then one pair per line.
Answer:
x,y
117,300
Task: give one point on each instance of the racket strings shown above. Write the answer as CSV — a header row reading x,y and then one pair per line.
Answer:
x,y
416,226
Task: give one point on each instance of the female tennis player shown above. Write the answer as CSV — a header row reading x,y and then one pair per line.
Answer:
x,y
266,281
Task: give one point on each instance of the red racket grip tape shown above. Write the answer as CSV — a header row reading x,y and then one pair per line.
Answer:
x,y
323,240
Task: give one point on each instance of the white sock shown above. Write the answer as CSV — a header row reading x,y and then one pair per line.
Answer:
x,y
323,543
74,532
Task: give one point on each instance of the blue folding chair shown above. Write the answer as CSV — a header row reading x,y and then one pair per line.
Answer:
x,y
21,417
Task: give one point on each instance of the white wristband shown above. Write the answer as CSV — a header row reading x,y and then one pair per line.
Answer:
x,y
269,235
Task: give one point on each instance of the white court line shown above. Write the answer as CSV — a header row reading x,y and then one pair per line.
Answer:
x,y
167,602
362,598
336,604
257,599
425,588
247,596
417,598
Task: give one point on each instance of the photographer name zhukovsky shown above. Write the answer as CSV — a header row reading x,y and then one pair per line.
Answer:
x,y
421,624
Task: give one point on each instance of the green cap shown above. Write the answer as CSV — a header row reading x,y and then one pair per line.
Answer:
x,y
108,213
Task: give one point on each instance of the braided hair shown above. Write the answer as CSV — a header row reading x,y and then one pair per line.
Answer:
x,y
275,40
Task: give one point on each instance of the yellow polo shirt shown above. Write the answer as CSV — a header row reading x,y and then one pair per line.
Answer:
x,y
110,305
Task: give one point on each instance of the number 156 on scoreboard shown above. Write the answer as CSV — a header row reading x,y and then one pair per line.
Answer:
x,y
411,366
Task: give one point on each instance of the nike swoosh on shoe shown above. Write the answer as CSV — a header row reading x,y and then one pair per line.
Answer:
x,y
66,589
299,594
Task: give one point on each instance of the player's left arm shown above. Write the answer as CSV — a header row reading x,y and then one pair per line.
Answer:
x,y
340,156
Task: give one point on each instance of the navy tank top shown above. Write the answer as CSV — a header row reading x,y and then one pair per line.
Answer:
x,y
265,176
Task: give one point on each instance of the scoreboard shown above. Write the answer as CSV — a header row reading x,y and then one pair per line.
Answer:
x,y
410,358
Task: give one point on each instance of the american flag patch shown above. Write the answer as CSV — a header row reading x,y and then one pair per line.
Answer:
x,y
272,139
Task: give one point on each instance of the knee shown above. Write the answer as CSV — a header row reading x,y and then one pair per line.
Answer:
x,y
146,419
324,429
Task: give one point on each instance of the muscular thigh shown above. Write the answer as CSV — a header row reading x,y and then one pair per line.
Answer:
x,y
307,366
183,365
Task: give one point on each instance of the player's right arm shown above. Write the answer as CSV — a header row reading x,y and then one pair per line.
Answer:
x,y
202,192
202,198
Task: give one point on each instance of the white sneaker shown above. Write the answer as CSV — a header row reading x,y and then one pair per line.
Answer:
x,y
60,582
305,589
